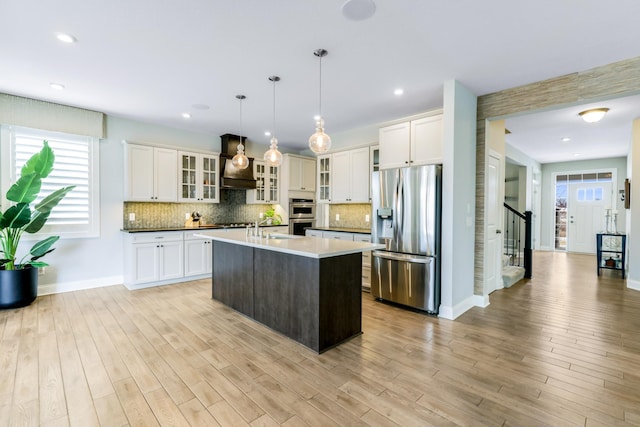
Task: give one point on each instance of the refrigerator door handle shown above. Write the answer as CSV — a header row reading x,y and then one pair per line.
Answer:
x,y
403,257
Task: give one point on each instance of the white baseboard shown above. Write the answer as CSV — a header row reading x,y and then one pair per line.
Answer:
x,y
633,284
481,300
546,248
57,288
451,313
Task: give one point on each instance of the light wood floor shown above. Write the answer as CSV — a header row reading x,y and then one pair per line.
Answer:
x,y
561,349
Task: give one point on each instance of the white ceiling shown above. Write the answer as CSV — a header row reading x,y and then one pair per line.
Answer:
x,y
151,60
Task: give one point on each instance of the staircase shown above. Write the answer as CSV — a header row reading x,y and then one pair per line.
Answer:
x,y
517,253
510,273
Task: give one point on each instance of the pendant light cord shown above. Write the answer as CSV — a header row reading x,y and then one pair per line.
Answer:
x,y
274,107
320,91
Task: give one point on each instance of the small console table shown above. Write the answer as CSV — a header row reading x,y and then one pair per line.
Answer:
x,y
611,251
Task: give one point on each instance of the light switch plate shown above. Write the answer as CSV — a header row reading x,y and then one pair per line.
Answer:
x,y
366,218
337,217
132,216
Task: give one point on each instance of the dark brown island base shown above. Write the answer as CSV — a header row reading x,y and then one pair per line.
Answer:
x,y
306,288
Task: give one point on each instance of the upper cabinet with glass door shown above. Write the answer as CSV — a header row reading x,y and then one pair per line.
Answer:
x,y
199,177
267,184
324,179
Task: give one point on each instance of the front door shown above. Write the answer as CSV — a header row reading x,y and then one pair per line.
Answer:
x,y
586,210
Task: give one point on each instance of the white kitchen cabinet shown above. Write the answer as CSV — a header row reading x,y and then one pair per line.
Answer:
x,y
302,173
416,142
324,179
366,261
313,233
337,235
267,184
197,255
198,177
350,176
151,174
153,257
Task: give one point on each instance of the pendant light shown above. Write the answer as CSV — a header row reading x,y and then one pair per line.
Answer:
x,y
240,161
273,157
320,142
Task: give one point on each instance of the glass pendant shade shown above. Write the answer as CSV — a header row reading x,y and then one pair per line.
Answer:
x,y
272,156
320,142
240,160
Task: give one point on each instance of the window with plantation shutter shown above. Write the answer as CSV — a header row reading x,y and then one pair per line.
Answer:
x,y
76,163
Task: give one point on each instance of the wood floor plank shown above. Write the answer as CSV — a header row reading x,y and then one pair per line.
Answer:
x,y
562,348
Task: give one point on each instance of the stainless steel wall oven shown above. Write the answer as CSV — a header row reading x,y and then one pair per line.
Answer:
x,y
302,214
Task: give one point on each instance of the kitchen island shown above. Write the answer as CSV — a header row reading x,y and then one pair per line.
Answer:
x,y
306,288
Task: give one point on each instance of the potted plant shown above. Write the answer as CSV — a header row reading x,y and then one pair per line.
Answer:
x,y
272,217
19,278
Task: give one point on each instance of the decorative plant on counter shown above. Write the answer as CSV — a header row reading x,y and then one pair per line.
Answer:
x,y
271,214
21,218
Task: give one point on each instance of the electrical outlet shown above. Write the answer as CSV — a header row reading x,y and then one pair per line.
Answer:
x,y
187,215
337,217
261,215
41,271
132,217
366,218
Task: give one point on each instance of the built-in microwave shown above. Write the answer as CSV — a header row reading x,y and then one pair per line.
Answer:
x,y
302,208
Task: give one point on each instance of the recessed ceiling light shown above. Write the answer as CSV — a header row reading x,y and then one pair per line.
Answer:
x,y
56,86
200,106
66,38
267,133
398,91
316,117
186,115
358,10
577,155
566,139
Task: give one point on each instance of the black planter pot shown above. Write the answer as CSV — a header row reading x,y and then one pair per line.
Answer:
x,y
18,288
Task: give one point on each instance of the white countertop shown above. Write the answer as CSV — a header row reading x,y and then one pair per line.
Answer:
x,y
312,247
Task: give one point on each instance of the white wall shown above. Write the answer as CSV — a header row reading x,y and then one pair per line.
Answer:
x,y
548,192
458,200
85,263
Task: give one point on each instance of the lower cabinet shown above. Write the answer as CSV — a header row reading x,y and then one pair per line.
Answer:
x,y
366,261
160,258
358,237
197,255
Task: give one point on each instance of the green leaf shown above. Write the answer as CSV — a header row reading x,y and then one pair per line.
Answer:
x,y
41,163
38,220
16,216
42,247
25,189
53,199
36,264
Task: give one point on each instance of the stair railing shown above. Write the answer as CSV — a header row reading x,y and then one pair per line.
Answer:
x,y
518,238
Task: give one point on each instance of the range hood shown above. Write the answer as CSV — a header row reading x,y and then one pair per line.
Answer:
x,y
232,178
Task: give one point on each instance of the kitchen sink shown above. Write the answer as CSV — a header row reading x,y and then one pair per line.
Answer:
x,y
282,236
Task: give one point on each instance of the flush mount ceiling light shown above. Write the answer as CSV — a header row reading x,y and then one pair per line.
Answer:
x,y
320,142
594,115
358,10
272,156
240,161
56,86
66,38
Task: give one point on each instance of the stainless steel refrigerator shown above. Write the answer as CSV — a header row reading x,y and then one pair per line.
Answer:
x,y
406,208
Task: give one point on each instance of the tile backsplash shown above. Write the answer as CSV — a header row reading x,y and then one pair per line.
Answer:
x,y
232,208
351,216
